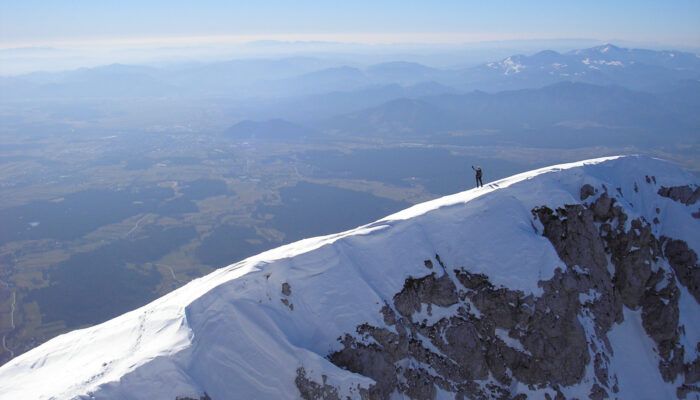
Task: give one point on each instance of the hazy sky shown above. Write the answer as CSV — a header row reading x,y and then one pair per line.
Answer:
x,y
55,22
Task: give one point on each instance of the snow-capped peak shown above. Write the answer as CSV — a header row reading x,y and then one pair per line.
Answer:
x,y
511,66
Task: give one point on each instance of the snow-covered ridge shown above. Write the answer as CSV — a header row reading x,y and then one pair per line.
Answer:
x,y
245,330
593,64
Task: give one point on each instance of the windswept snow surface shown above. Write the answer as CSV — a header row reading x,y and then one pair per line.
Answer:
x,y
230,334
635,361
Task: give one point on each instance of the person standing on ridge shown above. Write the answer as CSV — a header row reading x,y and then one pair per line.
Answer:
x,y
479,183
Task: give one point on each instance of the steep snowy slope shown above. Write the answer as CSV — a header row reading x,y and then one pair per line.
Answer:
x,y
578,280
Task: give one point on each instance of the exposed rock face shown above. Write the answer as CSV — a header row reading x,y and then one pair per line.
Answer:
x,y
688,195
553,342
684,390
205,396
683,194
685,263
638,280
586,191
287,291
547,342
454,331
311,390
429,290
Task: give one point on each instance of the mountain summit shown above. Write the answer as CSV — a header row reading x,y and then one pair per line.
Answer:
x,y
573,281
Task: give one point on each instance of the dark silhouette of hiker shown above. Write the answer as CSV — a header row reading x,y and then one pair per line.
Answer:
x,y
479,183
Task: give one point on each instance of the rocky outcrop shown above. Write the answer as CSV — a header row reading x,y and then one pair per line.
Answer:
x,y
684,262
205,396
286,289
660,317
286,292
492,332
311,390
638,281
426,290
454,331
586,191
576,233
552,348
687,194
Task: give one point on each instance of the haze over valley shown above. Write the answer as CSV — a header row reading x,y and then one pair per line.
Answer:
x,y
132,180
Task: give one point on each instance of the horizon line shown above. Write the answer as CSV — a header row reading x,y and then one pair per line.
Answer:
x,y
365,39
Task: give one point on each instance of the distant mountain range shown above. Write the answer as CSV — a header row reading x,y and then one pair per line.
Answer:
x,y
639,69
576,108
603,95
603,65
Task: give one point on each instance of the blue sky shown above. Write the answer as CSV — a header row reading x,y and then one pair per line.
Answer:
x,y
45,22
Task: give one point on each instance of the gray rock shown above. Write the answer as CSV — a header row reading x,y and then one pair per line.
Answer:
x,y
310,390
684,262
597,393
586,191
426,290
286,289
633,254
419,385
692,371
457,352
205,396
684,390
683,194
602,207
